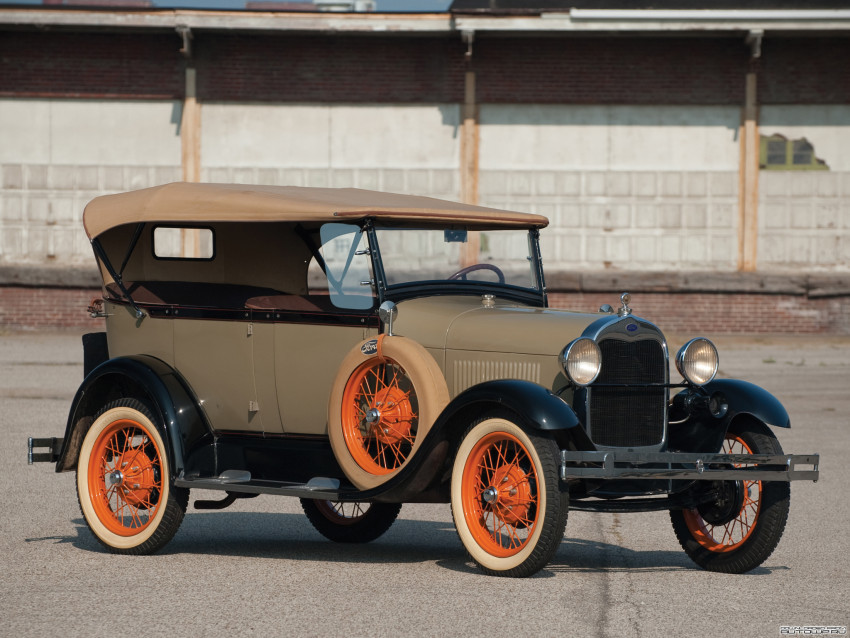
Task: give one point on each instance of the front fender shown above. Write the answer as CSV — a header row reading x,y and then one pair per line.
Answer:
x,y
703,432
425,477
182,421
535,404
744,397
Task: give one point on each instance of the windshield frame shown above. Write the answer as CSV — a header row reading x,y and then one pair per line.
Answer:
x,y
430,288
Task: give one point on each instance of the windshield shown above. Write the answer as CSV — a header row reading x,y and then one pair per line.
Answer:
x,y
472,257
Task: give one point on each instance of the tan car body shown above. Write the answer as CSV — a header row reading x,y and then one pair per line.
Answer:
x,y
261,356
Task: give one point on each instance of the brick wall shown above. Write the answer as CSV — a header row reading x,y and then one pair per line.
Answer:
x,y
379,69
338,69
39,308
804,70
42,308
610,71
724,313
90,65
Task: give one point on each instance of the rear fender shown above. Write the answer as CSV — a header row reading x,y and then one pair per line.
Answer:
x,y
151,380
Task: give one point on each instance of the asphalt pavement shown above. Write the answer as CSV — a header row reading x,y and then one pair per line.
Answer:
x,y
258,567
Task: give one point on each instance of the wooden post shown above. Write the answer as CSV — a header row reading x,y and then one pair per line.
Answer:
x,y
190,131
748,192
190,140
469,141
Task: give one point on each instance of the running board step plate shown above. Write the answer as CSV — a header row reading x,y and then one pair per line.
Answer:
x,y
322,488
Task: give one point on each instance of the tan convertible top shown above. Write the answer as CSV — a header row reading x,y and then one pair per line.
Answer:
x,y
184,202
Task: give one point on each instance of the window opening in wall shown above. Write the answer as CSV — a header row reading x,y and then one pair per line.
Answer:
x,y
778,153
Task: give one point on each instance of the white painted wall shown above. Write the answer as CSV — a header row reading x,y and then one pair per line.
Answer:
x,y
56,155
827,127
90,132
337,136
587,138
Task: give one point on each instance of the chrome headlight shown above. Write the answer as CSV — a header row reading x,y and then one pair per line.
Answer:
x,y
697,361
582,361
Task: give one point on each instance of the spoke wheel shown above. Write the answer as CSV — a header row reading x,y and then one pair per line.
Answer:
x,y
350,522
725,526
500,496
380,416
386,395
125,477
123,481
507,506
740,529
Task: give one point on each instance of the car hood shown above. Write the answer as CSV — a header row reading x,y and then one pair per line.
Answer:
x,y
464,323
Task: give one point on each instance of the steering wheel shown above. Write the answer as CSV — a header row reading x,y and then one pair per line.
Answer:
x,y
463,272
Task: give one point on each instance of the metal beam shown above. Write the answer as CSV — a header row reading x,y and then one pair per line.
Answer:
x,y
576,20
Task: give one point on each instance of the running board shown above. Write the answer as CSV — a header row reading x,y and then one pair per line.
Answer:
x,y
320,488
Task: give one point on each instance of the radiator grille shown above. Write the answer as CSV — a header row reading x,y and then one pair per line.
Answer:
x,y
629,417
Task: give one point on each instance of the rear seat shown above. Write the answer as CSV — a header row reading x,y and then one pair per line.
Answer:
x,y
207,295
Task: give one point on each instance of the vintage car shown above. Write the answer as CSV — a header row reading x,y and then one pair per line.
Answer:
x,y
359,350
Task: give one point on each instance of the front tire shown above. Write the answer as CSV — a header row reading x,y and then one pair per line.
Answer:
x,y
124,481
350,522
506,503
740,531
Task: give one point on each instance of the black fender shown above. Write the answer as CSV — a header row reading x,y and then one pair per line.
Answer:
x,y
425,478
183,423
704,431
538,406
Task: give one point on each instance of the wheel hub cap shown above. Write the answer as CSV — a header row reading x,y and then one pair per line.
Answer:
x,y
510,495
728,505
137,477
114,478
490,495
391,418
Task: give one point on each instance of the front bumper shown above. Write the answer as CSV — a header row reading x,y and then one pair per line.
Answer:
x,y
688,466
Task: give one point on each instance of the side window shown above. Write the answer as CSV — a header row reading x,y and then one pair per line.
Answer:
x,y
348,268
171,242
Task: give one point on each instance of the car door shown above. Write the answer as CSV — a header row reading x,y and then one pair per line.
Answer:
x,y
337,314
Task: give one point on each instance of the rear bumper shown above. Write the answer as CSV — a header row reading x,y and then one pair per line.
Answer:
x,y
53,447
694,467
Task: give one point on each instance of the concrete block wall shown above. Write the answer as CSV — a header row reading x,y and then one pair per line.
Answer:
x,y
41,207
804,220
637,220
57,155
625,187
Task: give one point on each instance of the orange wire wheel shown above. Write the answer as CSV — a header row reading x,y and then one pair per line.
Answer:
x,y
125,477
342,513
507,504
726,527
740,527
380,415
386,395
500,497
350,522
124,481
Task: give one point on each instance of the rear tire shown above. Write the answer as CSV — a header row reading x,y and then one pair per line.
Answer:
x,y
350,522
124,481
740,531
